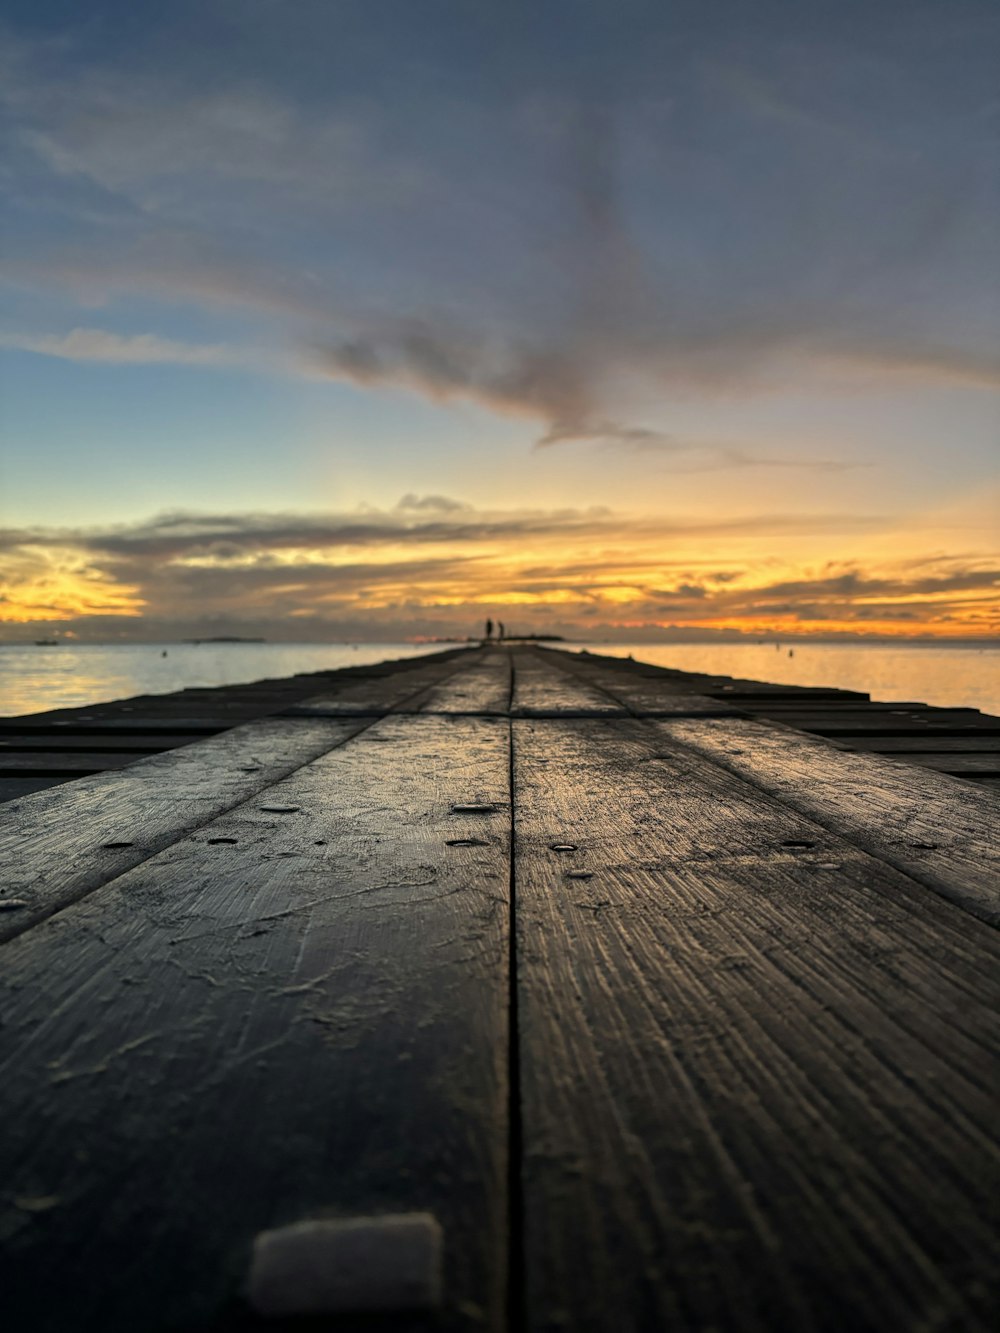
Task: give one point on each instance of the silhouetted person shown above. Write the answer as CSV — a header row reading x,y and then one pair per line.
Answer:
x,y
500,629
489,628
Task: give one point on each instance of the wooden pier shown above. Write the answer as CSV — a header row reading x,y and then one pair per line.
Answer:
x,y
641,1000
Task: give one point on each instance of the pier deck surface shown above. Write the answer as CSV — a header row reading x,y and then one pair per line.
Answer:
x,y
668,996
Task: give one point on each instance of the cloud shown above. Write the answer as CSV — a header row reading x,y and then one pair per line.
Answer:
x,y
641,439
853,584
441,362
729,457
138,349
643,218
414,522
439,504
175,151
436,564
920,364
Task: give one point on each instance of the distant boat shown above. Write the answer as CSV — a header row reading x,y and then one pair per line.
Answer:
x,y
46,643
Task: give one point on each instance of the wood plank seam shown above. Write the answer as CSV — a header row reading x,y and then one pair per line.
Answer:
x,y
758,974
517,1313
15,927
983,907
323,705
580,674
963,897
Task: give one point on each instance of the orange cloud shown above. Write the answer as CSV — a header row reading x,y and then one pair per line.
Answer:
x,y
42,584
436,566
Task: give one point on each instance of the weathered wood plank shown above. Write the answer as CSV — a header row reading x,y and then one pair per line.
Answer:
x,y
286,1015
483,687
59,844
403,691
755,1076
58,742
639,695
541,689
942,832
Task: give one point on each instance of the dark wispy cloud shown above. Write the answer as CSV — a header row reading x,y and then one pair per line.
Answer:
x,y
414,521
675,200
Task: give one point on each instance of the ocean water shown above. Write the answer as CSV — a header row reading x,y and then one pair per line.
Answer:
x,y
911,673
33,679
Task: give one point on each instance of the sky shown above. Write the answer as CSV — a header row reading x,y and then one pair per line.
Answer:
x,y
366,319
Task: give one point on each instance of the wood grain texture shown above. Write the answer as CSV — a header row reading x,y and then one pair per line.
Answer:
x,y
756,1063
56,847
481,687
377,696
754,1055
286,1015
642,696
943,832
59,844
541,689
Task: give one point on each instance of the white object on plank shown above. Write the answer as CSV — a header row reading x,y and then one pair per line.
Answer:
x,y
361,1263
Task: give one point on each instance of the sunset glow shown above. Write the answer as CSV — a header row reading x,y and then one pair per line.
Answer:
x,y
624,322
580,574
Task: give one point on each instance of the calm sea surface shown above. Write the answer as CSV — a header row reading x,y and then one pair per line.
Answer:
x,y
33,680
